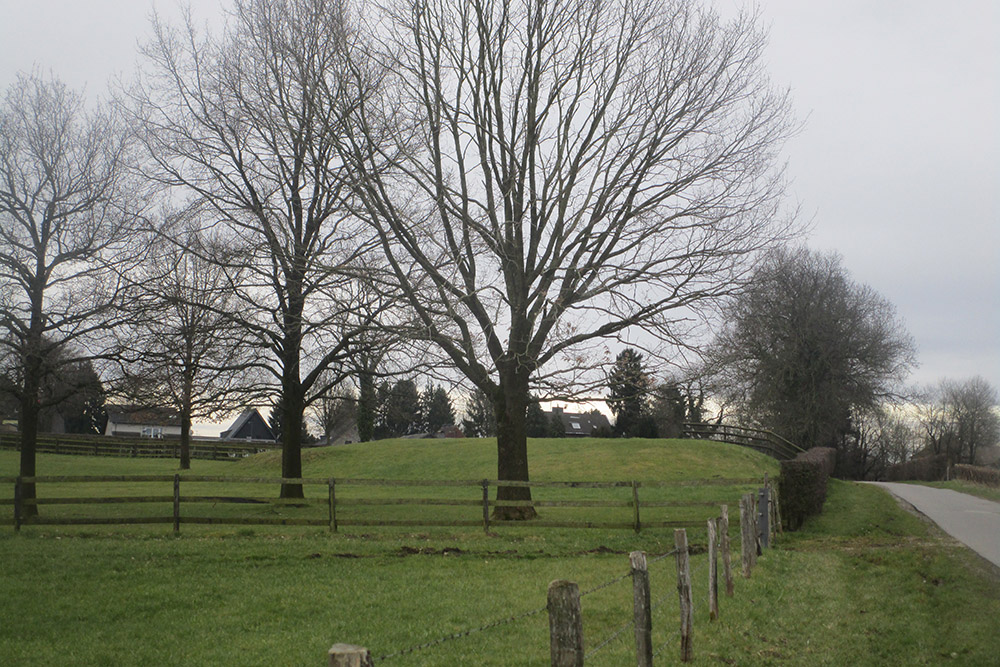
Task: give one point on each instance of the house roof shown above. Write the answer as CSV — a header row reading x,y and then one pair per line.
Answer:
x,y
581,423
142,415
245,417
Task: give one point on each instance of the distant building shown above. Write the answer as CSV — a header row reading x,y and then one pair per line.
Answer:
x,y
249,426
136,421
581,424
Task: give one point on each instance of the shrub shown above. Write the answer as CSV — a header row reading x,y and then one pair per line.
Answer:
x,y
977,474
802,486
922,469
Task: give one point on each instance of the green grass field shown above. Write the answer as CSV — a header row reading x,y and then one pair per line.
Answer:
x,y
865,583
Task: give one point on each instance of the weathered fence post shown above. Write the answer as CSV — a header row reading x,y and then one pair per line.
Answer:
x,y
348,655
776,504
177,503
727,565
486,506
747,540
684,593
713,573
333,505
18,501
565,624
642,610
764,516
635,504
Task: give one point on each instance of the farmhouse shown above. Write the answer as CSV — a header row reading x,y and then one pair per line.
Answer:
x,y
248,426
580,424
137,421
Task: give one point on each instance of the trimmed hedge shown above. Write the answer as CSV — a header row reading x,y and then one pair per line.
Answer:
x,y
802,485
977,474
921,469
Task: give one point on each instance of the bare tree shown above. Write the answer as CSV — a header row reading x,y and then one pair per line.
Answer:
x,y
187,350
959,419
804,350
240,122
66,216
546,176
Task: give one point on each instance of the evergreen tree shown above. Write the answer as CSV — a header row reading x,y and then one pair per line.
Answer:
x,y
480,418
628,386
436,409
536,424
367,407
400,409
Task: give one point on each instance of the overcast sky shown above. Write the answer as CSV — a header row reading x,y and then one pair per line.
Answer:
x,y
897,165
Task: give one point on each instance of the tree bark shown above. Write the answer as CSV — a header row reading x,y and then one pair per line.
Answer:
x,y
510,404
291,439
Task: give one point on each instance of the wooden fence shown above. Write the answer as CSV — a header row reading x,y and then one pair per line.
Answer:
x,y
334,502
100,445
759,521
761,440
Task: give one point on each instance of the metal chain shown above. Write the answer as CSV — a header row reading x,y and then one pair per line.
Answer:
x,y
463,633
610,639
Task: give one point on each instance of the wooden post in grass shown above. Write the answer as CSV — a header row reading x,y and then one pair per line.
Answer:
x,y
684,593
747,540
486,506
333,505
177,503
635,506
727,565
348,655
713,573
18,501
565,624
764,518
642,609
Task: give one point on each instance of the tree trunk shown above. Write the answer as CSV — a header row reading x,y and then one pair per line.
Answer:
x,y
291,439
186,439
510,404
29,436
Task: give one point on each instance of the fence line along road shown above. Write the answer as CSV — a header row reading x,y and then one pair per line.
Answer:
x,y
114,446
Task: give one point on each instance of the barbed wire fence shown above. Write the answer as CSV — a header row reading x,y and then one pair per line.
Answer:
x,y
568,617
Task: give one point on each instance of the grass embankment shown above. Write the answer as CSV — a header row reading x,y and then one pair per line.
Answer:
x,y
865,583
987,492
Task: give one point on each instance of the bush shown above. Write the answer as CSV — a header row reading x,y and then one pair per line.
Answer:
x,y
977,474
921,469
802,485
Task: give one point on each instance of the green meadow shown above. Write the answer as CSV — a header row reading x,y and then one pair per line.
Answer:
x,y
864,583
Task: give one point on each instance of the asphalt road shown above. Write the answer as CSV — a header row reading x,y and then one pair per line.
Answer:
x,y
969,519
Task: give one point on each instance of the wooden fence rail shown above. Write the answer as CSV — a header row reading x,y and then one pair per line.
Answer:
x,y
332,506
100,445
761,440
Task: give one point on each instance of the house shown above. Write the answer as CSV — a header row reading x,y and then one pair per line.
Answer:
x,y
136,421
580,424
249,426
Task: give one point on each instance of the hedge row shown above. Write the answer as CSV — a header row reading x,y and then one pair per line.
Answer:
x,y
921,469
977,474
802,486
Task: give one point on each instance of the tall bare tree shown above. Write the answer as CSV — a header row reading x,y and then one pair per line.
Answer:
x,y
560,173
240,123
959,419
67,210
188,352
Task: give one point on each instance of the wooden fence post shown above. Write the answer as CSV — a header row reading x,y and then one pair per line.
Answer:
x,y
684,593
565,624
776,504
764,517
642,609
635,504
727,565
486,506
177,503
333,505
348,655
18,501
713,573
746,535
